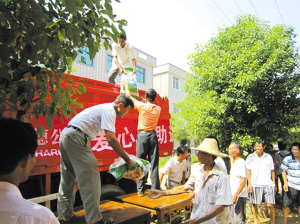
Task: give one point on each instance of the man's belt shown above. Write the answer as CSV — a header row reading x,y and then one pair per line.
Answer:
x,y
145,131
76,128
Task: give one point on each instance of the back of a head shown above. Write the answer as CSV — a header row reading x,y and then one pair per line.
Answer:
x,y
18,139
183,142
151,95
281,145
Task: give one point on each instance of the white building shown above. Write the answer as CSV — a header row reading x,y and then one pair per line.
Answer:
x,y
99,67
168,81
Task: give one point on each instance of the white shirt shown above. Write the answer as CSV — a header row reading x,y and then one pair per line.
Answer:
x,y
260,169
95,119
220,162
279,158
238,170
214,190
124,55
174,169
189,163
14,209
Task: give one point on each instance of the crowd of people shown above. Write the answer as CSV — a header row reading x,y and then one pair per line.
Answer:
x,y
252,178
219,191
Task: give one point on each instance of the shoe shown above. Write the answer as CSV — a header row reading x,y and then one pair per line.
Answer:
x,y
68,221
105,221
141,194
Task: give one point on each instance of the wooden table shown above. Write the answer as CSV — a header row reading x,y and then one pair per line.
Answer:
x,y
121,213
166,208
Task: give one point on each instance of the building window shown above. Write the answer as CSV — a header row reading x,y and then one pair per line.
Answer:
x,y
175,82
109,62
84,56
175,109
140,74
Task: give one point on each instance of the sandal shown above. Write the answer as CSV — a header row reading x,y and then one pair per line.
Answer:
x,y
105,221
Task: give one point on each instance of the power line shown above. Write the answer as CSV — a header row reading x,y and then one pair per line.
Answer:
x,y
215,12
222,11
238,7
254,9
279,11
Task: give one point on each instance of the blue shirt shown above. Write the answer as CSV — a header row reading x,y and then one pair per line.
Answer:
x,y
292,168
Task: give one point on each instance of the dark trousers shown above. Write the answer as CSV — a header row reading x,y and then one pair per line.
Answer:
x,y
147,146
112,75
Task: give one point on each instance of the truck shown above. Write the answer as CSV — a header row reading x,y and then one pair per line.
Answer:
x,y
42,185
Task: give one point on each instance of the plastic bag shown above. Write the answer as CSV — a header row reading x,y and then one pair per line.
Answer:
x,y
132,82
118,169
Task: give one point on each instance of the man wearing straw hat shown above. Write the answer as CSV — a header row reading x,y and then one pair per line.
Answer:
x,y
212,195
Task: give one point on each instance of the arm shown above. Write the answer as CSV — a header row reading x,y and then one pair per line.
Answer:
x,y
216,210
177,190
127,92
273,178
118,64
114,143
241,187
250,188
284,177
134,66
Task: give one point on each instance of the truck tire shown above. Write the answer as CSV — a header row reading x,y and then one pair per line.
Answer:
x,y
110,191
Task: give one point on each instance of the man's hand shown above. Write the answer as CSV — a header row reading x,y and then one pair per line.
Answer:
x,y
250,188
285,188
130,165
156,194
134,72
121,70
234,199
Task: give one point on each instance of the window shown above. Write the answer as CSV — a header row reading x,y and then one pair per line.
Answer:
x,y
109,62
140,74
84,57
175,82
175,109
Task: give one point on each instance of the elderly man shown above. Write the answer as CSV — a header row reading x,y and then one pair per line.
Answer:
x,y
238,175
212,197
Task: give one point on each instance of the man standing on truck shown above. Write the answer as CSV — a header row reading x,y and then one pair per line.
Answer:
x,y
17,158
79,163
124,56
146,141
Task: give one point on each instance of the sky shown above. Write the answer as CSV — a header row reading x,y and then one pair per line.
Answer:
x,y
170,29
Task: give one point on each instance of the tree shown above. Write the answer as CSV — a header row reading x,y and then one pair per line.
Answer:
x,y
179,130
38,41
244,83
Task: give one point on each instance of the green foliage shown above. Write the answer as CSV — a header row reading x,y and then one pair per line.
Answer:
x,y
40,38
179,130
244,84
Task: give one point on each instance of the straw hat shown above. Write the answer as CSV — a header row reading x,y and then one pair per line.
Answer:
x,y
210,146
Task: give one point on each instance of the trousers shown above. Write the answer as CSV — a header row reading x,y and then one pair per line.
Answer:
x,y
147,146
78,163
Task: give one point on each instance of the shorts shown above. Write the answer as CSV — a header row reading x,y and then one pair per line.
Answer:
x,y
291,198
268,193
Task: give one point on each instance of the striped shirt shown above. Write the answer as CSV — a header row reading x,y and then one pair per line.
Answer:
x,y
292,168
